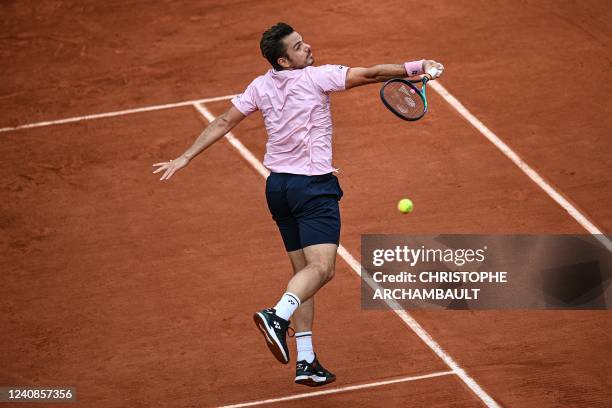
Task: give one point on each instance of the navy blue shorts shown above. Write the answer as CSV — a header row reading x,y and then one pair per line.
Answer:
x,y
305,208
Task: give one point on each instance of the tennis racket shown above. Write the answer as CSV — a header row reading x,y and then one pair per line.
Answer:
x,y
404,98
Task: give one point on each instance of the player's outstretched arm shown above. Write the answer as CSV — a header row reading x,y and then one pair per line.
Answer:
x,y
383,72
213,132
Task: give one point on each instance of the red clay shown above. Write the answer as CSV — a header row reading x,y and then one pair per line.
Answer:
x,y
140,293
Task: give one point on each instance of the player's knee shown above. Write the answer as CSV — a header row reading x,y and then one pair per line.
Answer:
x,y
327,271
322,270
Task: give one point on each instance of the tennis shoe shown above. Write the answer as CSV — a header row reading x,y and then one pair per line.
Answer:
x,y
274,330
312,374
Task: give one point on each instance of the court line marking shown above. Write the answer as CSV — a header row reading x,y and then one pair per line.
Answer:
x,y
356,267
420,331
116,113
237,144
458,106
441,90
525,168
338,390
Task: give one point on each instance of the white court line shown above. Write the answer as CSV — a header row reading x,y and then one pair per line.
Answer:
x,y
356,267
463,111
530,172
116,113
420,331
338,390
244,152
556,196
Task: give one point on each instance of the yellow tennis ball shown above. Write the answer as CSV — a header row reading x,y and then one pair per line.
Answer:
x,y
405,205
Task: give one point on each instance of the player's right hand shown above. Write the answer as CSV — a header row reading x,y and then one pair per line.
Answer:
x,y
429,64
171,167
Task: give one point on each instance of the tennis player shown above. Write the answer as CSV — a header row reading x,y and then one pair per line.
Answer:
x,y
302,192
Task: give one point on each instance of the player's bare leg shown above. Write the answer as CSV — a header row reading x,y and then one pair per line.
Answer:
x,y
304,315
309,370
320,268
274,322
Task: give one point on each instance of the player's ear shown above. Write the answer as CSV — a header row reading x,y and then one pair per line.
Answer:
x,y
283,62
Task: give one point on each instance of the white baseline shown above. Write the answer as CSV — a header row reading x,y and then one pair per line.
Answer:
x,y
338,390
116,113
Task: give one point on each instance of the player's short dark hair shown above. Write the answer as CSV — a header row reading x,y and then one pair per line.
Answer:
x,y
271,44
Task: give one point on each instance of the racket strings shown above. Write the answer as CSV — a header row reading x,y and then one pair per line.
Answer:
x,y
404,100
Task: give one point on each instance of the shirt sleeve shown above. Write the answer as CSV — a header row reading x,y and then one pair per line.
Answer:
x,y
330,78
245,102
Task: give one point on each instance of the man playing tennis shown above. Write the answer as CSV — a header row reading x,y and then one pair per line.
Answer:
x,y
302,192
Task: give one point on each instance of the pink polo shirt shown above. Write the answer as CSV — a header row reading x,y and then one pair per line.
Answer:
x,y
296,111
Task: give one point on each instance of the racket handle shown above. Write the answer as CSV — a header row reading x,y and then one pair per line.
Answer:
x,y
432,72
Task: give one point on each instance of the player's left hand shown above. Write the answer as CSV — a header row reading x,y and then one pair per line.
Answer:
x,y
171,167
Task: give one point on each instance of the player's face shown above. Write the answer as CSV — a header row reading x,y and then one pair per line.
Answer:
x,y
299,54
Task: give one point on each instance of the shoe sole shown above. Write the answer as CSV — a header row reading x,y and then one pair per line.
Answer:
x,y
313,380
271,340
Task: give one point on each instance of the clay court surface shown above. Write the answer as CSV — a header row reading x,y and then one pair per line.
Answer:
x,y
139,293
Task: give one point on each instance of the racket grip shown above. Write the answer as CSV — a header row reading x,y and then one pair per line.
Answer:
x,y
432,72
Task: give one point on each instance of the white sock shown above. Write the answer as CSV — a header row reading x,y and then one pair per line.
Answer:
x,y
304,346
287,305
